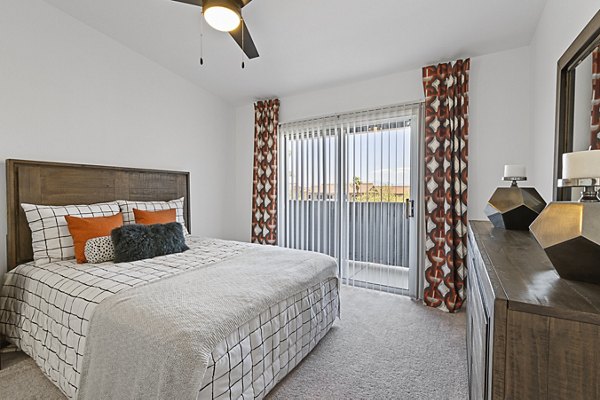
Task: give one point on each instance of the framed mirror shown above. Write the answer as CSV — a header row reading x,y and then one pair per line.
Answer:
x,y
577,101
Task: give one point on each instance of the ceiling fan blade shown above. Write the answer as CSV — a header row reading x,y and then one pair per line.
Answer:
x,y
199,2
192,2
249,47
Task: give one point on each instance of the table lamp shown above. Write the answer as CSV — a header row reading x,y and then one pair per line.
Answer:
x,y
514,207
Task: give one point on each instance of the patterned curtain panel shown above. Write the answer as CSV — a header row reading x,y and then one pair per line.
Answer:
x,y
264,193
595,143
446,135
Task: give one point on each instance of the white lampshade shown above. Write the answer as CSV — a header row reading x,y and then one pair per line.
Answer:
x,y
222,18
515,171
581,164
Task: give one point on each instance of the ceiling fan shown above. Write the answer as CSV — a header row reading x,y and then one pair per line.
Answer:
x,y
226,16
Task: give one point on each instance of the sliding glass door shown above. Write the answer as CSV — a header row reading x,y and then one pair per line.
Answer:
x,y
349,189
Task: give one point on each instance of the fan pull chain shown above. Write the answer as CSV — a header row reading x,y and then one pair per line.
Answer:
x,y
202,39
242,27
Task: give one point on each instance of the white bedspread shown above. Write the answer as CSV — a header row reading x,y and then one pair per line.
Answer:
x,y
46,310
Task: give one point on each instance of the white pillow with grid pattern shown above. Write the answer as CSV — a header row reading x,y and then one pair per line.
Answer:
x,y
50,237
127,207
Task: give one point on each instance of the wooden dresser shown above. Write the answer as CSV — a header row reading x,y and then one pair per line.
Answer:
x,y
530,334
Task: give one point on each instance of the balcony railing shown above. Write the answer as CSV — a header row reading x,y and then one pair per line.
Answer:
x,y
374,255
375,230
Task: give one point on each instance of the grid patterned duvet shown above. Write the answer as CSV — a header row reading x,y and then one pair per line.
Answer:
x,y
45,310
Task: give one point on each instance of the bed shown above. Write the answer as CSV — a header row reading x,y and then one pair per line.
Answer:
x,y
263,308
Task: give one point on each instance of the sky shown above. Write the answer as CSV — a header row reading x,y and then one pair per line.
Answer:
x,y
380,157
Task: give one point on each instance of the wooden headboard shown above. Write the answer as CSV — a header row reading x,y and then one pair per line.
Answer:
x,y
51,183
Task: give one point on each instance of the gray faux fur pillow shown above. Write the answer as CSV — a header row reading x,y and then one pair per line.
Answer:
x,y
138,242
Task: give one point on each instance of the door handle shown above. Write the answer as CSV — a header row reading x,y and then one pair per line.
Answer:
x,y
409,208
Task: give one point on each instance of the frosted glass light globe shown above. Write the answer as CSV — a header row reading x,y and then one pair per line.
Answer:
x,y
222,18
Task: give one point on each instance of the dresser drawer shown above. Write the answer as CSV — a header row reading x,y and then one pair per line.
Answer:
x,y
476,266
478,344
485,344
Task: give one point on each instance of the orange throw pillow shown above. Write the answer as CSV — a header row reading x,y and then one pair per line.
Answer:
x,y
84,229
155,217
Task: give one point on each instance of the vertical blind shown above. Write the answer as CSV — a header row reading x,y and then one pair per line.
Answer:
x,y
345,183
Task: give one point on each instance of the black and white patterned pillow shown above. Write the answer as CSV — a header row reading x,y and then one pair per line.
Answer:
x,y
50,237
99,250
127,207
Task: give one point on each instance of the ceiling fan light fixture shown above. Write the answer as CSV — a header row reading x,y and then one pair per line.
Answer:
x,y
224,16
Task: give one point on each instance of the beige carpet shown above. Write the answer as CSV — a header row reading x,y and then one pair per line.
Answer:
x,y
384,347
20,378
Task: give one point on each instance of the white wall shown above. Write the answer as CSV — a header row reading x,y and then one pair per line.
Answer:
x,y
499,123
69,93
559,25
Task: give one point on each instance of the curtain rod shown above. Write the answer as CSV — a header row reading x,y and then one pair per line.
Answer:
x,y
349,113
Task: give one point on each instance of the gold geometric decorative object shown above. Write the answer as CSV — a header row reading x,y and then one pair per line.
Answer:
x,y
514,207
569,232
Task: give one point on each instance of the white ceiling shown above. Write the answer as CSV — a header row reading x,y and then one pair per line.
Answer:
x,y
307,44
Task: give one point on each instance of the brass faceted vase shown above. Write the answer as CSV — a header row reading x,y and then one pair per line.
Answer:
x,y
514,208
569,232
